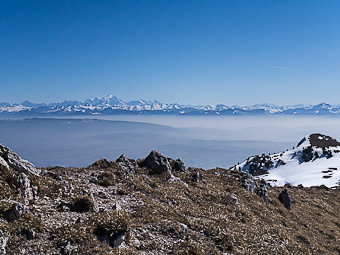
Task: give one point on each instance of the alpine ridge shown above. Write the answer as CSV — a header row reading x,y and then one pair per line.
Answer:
x,y
112,105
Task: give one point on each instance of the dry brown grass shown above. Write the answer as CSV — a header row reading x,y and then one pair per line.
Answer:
x,y
162,217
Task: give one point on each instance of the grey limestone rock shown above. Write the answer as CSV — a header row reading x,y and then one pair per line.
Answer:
x,y
10,159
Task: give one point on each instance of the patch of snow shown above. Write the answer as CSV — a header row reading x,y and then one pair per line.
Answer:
x,y
319,171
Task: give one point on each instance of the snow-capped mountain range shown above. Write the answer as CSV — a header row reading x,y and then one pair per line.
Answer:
x,y
315,161
113,105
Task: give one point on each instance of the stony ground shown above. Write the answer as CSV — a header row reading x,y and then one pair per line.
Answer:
x,y
125,208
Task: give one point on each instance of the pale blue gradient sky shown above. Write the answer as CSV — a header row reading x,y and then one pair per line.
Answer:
x,y
196,52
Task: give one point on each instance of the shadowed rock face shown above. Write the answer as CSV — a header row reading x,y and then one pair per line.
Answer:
x,y
322,141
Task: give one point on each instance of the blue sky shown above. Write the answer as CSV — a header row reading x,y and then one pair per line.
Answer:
x,y
197,52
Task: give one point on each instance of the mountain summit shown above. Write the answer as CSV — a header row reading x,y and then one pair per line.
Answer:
x,y
314,161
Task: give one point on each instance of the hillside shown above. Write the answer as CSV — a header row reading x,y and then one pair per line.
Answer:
x,y
158,206
314,161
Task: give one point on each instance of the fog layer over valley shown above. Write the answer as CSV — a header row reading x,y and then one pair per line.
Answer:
x,y
79,142
200,141
254,128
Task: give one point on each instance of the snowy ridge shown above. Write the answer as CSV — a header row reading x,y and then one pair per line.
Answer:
x,y
113,105
315,161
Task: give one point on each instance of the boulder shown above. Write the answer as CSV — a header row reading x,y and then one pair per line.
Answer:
x,y
177,165
10,159
255,186
129,166
157,163
285,199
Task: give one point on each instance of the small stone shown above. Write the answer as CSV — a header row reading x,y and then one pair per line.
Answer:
x,y
63,207
197,176
93,180
80,220
234,199
3,242
68,249
116,206
55,176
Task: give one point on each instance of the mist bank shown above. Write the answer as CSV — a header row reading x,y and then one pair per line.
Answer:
x,y
79,142
245,128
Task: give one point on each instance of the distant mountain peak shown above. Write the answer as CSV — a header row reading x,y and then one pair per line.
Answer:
x,y
110,104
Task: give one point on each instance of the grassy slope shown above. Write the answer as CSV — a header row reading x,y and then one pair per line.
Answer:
x,y
171,218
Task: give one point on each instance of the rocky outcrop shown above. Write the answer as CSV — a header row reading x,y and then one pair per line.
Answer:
x,y
255,186
177,165
129,166
249,183
10,159
157,163
25,187
322,141
285,199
